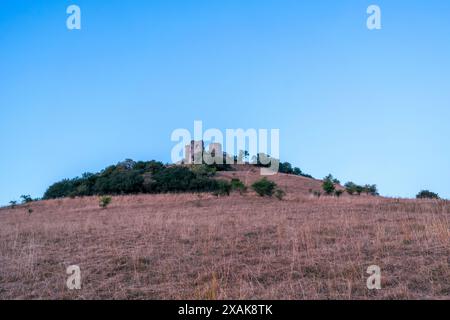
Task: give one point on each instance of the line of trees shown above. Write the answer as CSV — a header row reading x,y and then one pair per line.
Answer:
x,y
369,189
330,183
130,177
286,167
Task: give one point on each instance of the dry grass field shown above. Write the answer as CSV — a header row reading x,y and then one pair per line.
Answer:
x,y
190,246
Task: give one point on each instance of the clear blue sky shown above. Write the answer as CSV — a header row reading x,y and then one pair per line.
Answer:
x,y
367,106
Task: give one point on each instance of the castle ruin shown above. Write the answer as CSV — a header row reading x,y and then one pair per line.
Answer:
x,y
194,151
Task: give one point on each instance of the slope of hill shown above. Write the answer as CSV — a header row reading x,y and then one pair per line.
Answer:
x,y
197,246
292,184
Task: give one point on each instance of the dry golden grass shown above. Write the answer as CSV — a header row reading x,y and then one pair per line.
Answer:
x,y
191,246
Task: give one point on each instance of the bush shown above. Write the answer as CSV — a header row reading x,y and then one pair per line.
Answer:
x,y
279,194
371,189
120,182
426,194
328,184
264,187
332,179
13,204
104,201
26,199
174,179
204,170
59,190
238,185
264,160
223,188
328,187
286,167
350,187
359,190
338,193
221,167
298,172
353,188
202,184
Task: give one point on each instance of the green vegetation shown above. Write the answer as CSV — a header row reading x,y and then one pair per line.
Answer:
x,y
352,188
13,204
242,157
338,193
238,185
224,166
131,177
359,189
223,188
26,199
371,189
332,179
328,184
426,194
286,167
104,201
264,187
329,187
262,159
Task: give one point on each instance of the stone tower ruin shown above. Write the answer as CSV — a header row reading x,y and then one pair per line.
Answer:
x,y
194,152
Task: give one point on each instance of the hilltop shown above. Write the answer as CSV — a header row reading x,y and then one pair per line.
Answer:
x,y
153,177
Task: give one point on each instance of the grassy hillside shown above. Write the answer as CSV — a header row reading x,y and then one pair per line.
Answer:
x,y
238,247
